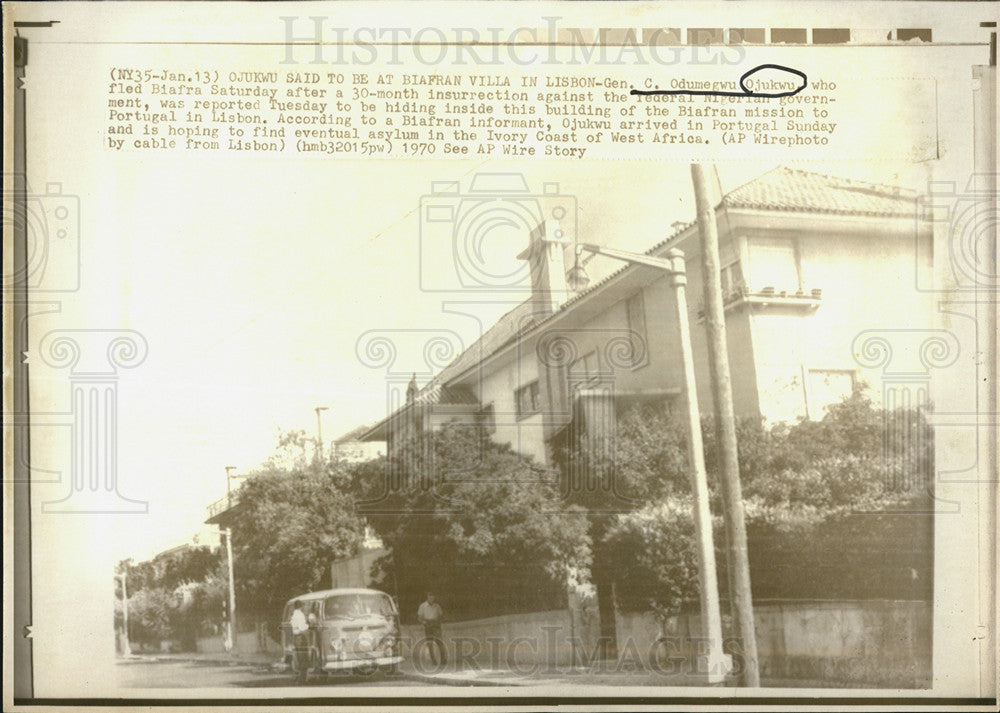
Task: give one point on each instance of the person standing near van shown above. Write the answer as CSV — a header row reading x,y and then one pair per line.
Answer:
x,y
300,637
430,615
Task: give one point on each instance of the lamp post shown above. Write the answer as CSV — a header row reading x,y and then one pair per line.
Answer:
x,y
230,640
126,646
229,481
319,431
717,663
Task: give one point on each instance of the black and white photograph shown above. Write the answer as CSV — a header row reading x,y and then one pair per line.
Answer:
x,y
553,355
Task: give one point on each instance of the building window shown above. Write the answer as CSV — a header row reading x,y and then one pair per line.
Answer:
x,y
732,279
583,372
635,312
486,418
527,400
773,263
828,387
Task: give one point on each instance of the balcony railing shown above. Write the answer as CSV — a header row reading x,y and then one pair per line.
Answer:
x,y
226,502
810,299
805,299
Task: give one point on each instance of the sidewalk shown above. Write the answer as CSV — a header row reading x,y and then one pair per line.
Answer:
x,y
600,674
257,660
469,673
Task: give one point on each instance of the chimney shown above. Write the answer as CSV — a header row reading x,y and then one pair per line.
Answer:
x,y
411,390
547,265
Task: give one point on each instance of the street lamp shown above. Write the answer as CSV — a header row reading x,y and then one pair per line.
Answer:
x,y
126,646
319,430
230,639
229,480
229,642
711,620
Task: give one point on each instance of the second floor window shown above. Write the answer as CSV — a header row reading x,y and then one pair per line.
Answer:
x,y
635,312
773,263
732,278
527,399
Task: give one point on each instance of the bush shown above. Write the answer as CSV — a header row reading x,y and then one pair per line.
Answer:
x,y
836,508
482,526
657,561
173,597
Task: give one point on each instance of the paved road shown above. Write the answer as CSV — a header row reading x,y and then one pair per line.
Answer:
x,y
193,674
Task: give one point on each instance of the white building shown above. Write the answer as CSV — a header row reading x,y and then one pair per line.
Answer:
x,y
809,262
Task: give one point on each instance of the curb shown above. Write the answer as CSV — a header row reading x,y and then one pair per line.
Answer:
x,y
140,659
443,679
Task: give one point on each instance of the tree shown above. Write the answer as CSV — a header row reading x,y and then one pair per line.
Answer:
x,y
475,521
173,597
822,499
188,566
149,613
291,524
651,553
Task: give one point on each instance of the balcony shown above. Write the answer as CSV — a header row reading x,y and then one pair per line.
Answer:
x,y
805,300
219,510
770,296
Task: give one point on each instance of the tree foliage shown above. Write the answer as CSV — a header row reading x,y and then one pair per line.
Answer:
x,y
175,597
482,525
854,482
291,523
652,557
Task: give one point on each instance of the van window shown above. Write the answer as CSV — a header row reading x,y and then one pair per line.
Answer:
x,y
353,606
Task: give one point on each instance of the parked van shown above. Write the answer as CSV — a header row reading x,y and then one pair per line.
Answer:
x,y
355,629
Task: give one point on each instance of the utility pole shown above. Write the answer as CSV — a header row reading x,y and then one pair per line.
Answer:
x,y
714,661
725,424
319,432
126,646
231,637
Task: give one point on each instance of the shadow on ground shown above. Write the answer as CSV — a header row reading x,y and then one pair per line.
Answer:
x,y
268,679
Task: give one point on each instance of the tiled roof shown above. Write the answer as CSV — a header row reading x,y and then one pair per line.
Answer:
x,y
679,228
435,393
792,189
437,390
354,434
503,331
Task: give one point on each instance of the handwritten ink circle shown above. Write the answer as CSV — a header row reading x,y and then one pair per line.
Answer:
x,y
780,68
